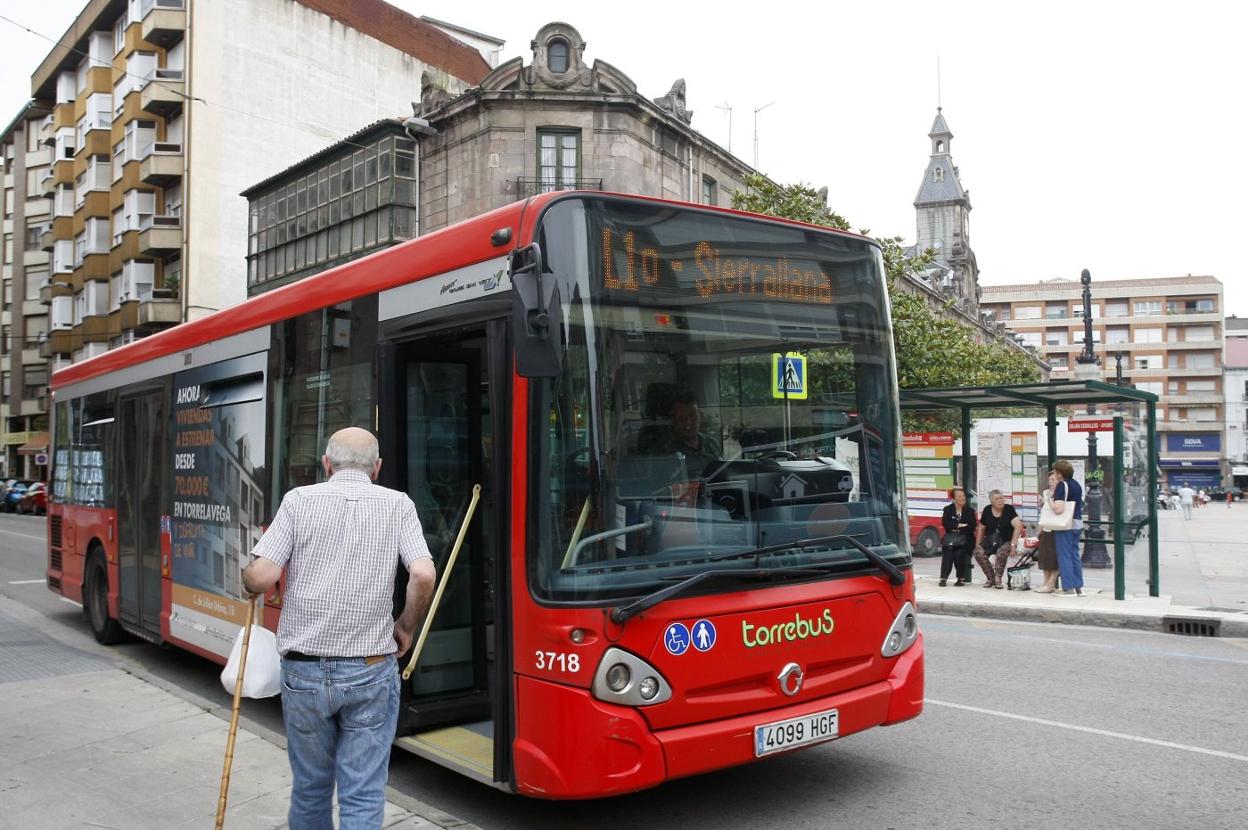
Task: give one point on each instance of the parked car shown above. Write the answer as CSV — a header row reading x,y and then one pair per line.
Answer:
x,y
1219,493
35,499
13,495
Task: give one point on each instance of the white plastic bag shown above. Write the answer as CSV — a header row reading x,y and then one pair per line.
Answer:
x,y
263,677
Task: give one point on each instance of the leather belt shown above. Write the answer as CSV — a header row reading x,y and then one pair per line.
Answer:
x,y
309,658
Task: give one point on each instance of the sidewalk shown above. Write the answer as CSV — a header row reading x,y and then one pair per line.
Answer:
x,y
84,743
1203,570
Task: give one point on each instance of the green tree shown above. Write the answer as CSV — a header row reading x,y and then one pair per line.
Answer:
x,y
933,349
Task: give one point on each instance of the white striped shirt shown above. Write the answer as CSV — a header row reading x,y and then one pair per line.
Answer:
x,y
339,542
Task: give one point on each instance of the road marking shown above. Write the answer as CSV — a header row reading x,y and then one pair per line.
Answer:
x,y
27,581
23,535
71,602
1217,753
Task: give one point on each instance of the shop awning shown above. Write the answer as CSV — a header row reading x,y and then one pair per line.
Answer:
x,y
36,445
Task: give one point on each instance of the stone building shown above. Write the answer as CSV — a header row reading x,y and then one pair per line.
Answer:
x,y
553,123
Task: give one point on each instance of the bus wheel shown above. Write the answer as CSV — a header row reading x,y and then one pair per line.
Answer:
x,y
95,602
928,543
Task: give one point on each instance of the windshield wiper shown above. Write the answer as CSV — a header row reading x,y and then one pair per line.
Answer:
x,y
624,613
895,576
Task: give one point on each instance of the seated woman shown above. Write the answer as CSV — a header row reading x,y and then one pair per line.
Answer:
x,y
958,520
997,535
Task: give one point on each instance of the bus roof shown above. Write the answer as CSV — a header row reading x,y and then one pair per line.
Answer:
x,y
463,243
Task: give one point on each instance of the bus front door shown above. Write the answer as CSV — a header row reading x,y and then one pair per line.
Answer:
x,y
442,432
141,481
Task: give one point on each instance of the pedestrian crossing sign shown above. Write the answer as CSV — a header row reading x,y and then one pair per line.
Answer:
x,y
788,376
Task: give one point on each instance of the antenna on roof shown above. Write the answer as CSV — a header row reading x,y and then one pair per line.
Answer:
x,y
938,102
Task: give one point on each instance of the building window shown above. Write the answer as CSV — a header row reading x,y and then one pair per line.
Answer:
x,y
1200,361
1148,335
1148,361
1153,386
1027,312
557,55
1198,334
1059,363
1056,337
938,175
1117,309
558,159
1056,311
1117,334
1078,311
710,191
1201,386
1145,308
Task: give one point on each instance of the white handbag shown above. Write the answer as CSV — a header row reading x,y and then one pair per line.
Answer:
x,y
1051,520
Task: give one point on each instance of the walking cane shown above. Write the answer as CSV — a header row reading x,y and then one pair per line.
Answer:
x,y
446,577
238,693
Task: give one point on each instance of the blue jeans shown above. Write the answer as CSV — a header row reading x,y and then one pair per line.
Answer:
x,y
1068,564
340,720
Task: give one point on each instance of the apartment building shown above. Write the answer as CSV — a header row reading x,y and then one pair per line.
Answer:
x,y
161,111
23,316
1235,386
1167,333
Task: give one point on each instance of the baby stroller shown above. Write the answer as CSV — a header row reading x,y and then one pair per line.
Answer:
x,y
1018,575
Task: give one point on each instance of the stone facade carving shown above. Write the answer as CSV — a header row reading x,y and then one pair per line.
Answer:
x,y
432,95
674,102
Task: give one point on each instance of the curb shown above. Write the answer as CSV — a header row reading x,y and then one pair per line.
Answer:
x,y
1227,625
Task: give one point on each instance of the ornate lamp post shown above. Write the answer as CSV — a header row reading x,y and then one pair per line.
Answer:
x,y
1095,555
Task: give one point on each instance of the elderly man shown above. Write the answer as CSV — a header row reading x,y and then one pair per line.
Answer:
x,y
338,542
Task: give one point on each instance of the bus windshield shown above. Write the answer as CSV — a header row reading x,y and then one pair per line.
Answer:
x,y
727,386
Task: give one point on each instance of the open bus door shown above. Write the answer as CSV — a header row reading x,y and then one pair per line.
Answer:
x,y
442,399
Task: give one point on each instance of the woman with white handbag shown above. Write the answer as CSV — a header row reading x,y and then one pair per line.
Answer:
x,y
1062,514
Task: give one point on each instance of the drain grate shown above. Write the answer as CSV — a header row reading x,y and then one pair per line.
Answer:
x,y
1193,628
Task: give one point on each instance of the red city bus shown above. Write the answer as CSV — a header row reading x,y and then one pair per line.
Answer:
x,y
691,547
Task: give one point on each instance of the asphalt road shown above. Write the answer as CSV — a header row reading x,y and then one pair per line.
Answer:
x,y
1027,725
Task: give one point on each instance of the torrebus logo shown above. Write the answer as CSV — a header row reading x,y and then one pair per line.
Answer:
x,y
786,632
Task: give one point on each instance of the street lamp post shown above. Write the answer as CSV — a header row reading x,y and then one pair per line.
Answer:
x,y
1095,555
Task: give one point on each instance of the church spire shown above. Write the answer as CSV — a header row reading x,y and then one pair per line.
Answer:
x,y
942,210
940,182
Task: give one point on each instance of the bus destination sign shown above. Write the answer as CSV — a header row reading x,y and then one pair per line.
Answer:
x,y
702,268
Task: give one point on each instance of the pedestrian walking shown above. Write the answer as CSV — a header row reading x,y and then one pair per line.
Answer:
x,y
997,535
1067,494
1187,497
339,542
1230,497
958,520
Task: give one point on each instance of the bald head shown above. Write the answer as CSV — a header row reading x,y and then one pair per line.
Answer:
x,y
352,449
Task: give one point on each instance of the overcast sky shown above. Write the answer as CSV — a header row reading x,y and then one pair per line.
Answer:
x,y
1093,134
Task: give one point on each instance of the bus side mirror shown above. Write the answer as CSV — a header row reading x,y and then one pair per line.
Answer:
x,y
535,308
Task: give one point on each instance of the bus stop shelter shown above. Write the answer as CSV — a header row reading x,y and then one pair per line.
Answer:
x,y
1134,424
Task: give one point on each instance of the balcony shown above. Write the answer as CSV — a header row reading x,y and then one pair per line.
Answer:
x,y
1195,399
60,341
524,188
34,406
163,21
160,311
163,92
47,182
161,164
162,236
95,328
1189,426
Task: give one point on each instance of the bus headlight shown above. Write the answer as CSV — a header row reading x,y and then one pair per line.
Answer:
x,y
902,633
614,680
618,677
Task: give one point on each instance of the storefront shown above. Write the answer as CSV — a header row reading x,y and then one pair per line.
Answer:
x,y
1192,458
